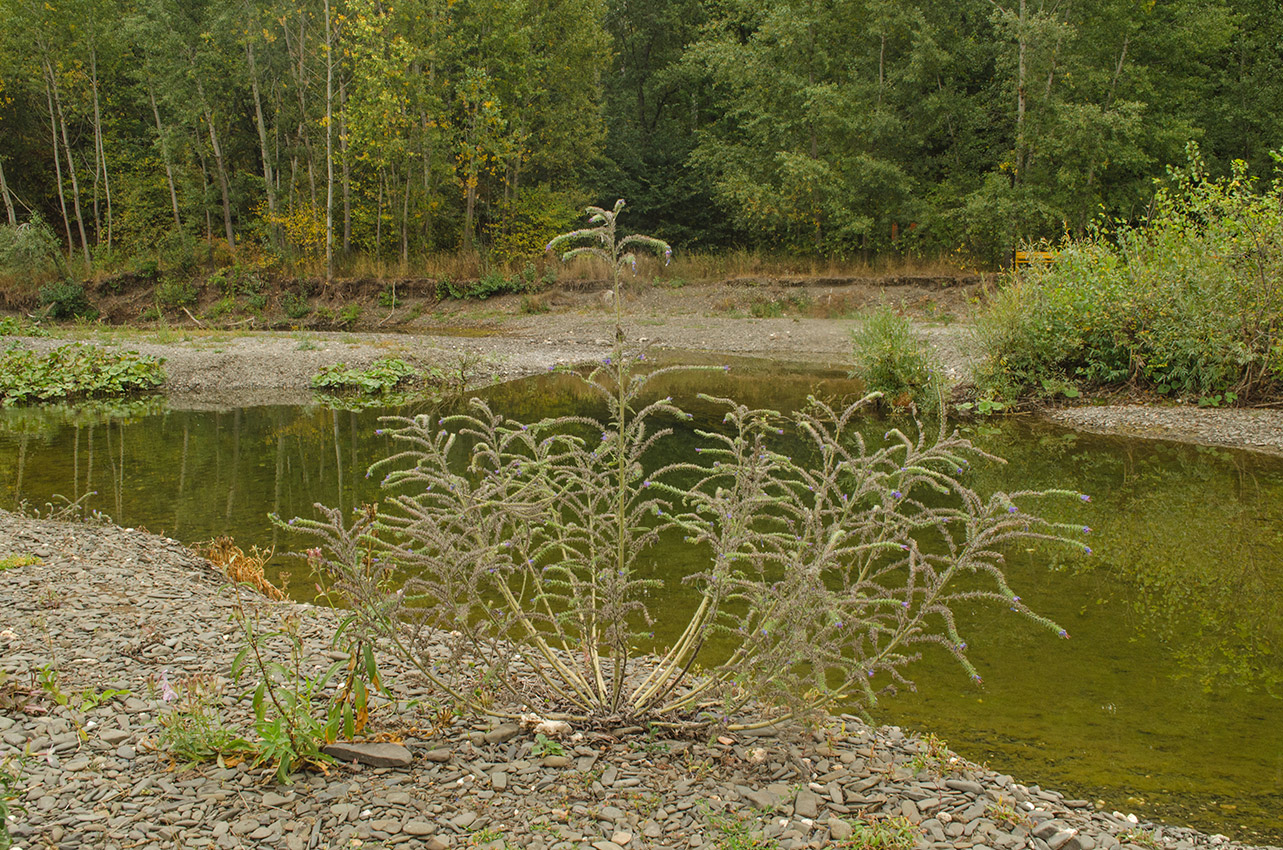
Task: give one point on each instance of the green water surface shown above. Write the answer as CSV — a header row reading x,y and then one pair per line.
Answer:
x,y
1167,701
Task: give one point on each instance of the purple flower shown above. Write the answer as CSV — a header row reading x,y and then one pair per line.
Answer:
x,y
167,692
1015,599
962,645
870,674
896,494
1084,497
1086,550
1086,529
975,677
1011,510
1064,634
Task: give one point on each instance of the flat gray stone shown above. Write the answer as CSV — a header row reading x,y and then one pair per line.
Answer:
x,y
416,827
375,755
502,734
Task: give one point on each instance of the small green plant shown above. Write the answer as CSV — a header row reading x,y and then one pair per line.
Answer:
x,y
545,746
223,307
889,359
348,316
736,834
191,723
295,306
72,371
388,297
886,834
256,303
295,714
13,562
307,344
766,308
933,755
1140,838
1004,812
380,377
176,292
15,326
66,299
49,598
10,777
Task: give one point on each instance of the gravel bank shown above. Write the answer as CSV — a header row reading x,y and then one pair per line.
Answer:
x,y
116,608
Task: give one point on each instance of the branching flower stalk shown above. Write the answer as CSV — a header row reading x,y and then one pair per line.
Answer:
x,y
832,557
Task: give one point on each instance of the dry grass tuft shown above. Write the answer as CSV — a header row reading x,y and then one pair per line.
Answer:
x,y
245,568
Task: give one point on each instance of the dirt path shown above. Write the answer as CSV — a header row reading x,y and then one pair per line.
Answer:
x,y
502,338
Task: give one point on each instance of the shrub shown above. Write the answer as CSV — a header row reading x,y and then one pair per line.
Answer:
x,y
890,360
29,248
295,306
830,560
66,300
1189,304
176,292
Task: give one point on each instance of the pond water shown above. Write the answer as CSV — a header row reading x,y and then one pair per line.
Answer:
x,y
1167,701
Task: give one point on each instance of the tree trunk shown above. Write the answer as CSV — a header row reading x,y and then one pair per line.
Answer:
x,y
57,166
329,146
1020,97
99,148
219,164
8,201
164,153
347,168
71,166
268,181
204,189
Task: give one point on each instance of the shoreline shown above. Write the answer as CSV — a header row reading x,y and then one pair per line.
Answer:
x,y
111,608
223,368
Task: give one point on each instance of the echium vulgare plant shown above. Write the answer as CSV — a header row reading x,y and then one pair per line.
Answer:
x,y
831,559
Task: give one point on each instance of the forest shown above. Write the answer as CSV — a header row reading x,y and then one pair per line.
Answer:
x,y
400,129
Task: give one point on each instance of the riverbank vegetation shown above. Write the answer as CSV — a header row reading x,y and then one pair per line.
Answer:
x,y
74,371
1187,304
351,138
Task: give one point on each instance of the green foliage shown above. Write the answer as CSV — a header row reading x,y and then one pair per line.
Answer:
x,y
13,562
10,776
176,292
493,282
297,714
526,222
72,371
1190,304
66,300
380,377
545,746
28,249
191,724
348,316
884,834
891,360
17,326
295,306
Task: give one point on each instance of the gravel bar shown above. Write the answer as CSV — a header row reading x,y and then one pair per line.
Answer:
x,y
117,608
